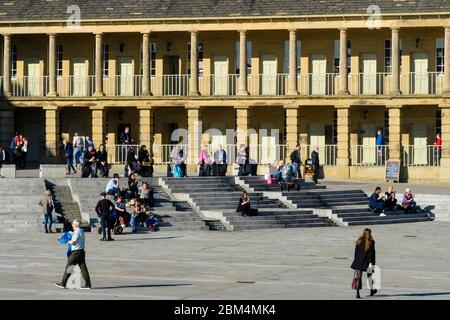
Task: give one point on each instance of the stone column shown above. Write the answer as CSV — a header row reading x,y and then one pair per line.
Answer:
x,y
145,127
52,65
395,133
194,134
292,84
292,128
343,128
52,133
243,91
395,61
446,89
98,126
6,126
242,125
193,80
444,170
7,65
343,64
98,65
146,64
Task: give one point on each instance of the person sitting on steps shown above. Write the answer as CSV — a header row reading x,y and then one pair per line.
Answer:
x,y
244,205
390,201
408,202
376,202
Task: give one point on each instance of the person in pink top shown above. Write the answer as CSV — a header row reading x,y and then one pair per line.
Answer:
x,y
204,163
437,150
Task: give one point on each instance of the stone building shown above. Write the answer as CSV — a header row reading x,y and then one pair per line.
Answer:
x,y
272,69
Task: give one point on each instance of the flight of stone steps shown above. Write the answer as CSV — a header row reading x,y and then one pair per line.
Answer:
x,y
221,194
172,215
65,206
19,209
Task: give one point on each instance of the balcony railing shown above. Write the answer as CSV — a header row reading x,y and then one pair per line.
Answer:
x,y
318,84
369,83
422,83
327,154
326,84
369,155
162,152
421,156
117,154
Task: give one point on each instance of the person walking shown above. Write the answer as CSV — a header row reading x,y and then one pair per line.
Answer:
x,y
296,161
220,162
68,152
379,144
47,208
24,152
204,160
315,164
364,259
3,156
77,257
242,160
78,145
125,140
103,210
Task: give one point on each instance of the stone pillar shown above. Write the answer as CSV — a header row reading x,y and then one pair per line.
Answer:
x,y
445,133
292,128
292,84
193,80
98,126
145,127
243,91
343,64
98,65
395,133
242,125
194,134
7,65
6,126
395,61
52,134
146,64
52,66
446,89
343,128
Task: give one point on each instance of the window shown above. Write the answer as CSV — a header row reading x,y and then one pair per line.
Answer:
x,y
152,59
14,61
199,56
249,57
388,54
386,126
106,61
335,127
440,55
337,53
59,60
286,56
438,122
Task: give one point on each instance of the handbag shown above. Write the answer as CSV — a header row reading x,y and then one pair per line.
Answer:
x,y
355,281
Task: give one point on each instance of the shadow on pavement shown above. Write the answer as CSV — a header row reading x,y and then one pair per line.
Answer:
x,y
161,238
144,286
418,294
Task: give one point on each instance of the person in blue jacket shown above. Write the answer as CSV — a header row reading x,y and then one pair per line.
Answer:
x,y
380,143
376,202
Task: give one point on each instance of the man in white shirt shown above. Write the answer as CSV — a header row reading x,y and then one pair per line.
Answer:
x,y
77,257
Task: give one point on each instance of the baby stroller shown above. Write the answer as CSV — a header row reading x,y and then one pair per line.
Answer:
x,y
288,176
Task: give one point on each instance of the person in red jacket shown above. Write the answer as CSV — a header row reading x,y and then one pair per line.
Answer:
x,y
437,150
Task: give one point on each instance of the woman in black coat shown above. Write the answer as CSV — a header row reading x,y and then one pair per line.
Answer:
x,y
364,258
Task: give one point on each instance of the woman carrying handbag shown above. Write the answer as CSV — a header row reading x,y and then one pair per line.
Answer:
x,y
364,259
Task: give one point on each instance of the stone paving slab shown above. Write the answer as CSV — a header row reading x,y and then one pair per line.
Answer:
x,y
269,264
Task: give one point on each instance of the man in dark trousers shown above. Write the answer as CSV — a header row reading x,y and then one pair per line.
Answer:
x,y
125,139
296,161
103,209
315,163
77,257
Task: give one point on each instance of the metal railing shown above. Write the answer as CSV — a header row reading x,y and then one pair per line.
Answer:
x,y
221,85
127,86
369,155
267,154
75,86
272,85
175,85
318,84
369,83
327,154
422,83
117,153
29,86
162,153
421,155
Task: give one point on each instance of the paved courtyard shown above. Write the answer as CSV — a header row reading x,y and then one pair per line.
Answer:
x,y
269,264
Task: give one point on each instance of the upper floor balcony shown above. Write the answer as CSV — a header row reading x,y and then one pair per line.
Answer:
x,y
313,84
